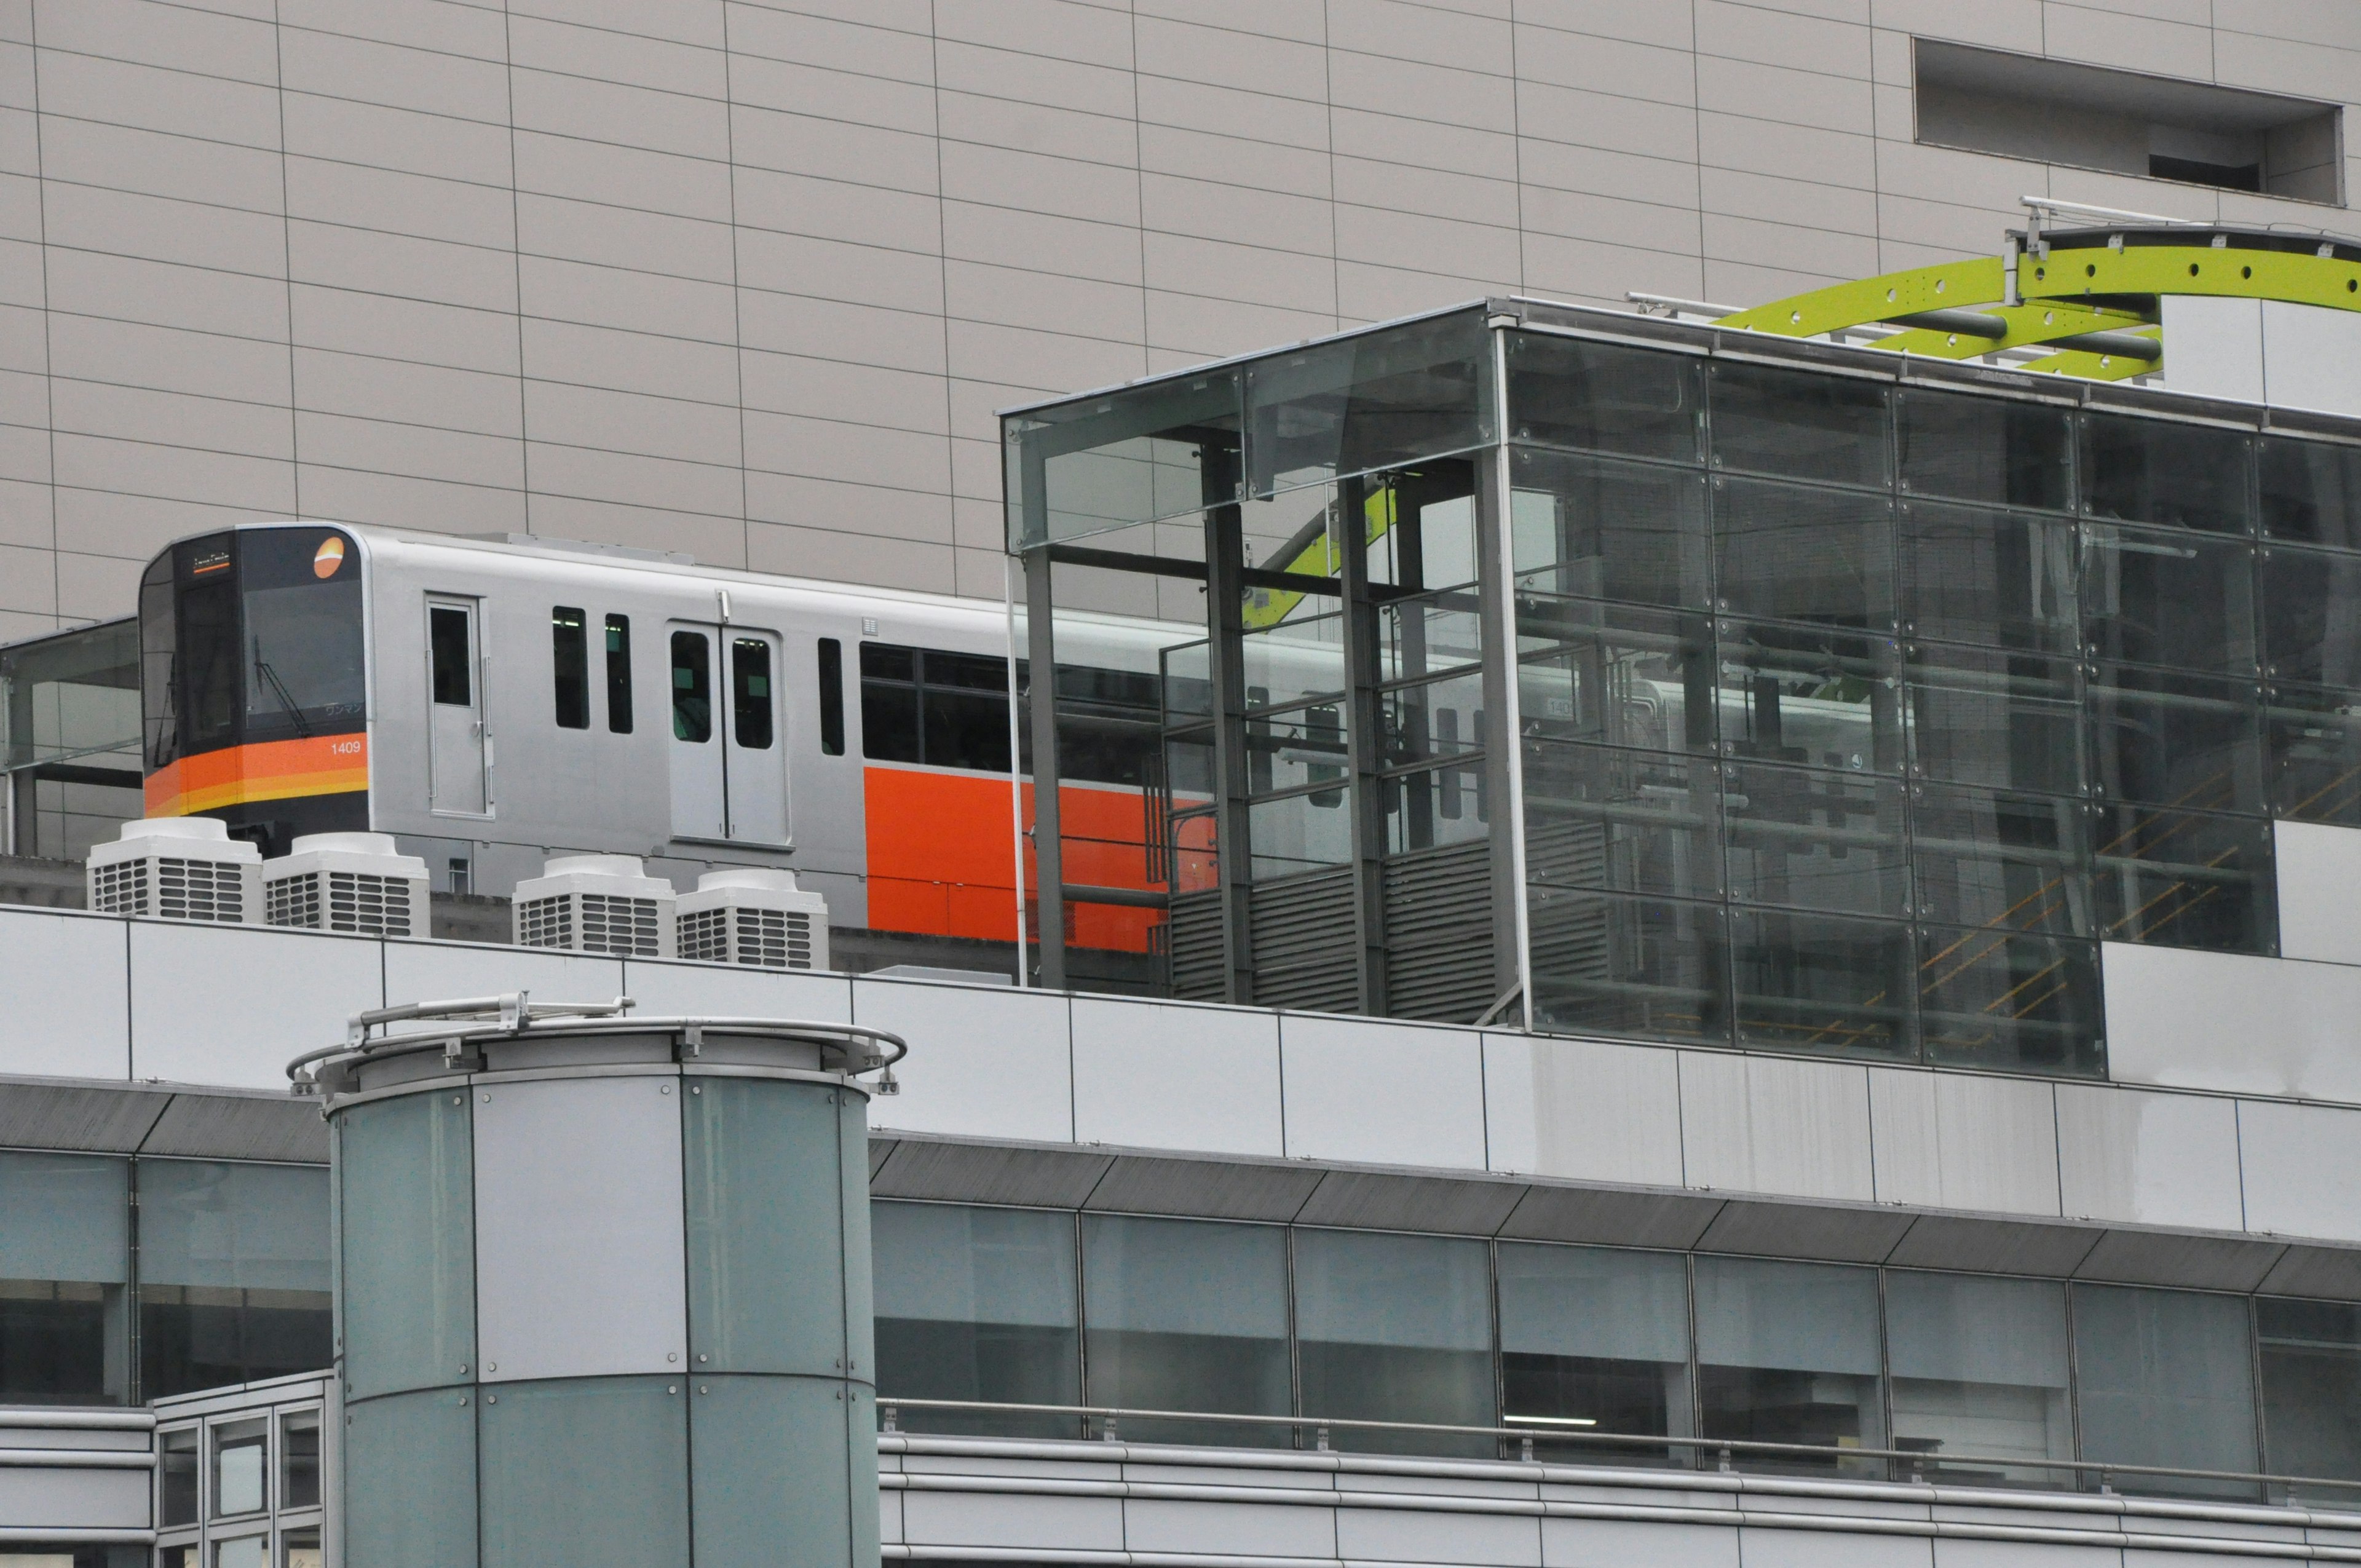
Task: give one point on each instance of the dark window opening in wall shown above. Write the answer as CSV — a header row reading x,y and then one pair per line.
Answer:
x,y
2051,111
619,673
569,651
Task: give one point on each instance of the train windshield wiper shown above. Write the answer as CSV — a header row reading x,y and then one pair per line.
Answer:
x,y
278,689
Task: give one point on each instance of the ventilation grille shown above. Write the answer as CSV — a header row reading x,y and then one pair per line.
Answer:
x,y
369,904
622,925
546,922
775,938
199,890
292,900
120,887
1439,958
704,935
1195,934
1303,943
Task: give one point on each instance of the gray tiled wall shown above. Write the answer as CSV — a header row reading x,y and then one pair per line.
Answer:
x,y
747,279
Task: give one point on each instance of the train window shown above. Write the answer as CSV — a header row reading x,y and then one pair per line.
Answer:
x,y
619,673
889,703
831,697
692,688
569,651
750,691
447,637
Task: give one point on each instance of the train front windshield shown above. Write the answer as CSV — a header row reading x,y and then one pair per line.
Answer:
x,y
254,682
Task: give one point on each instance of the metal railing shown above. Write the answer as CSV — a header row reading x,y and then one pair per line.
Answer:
x,y
1903,1465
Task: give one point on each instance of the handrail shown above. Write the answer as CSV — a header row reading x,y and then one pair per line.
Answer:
x,y
1920,1460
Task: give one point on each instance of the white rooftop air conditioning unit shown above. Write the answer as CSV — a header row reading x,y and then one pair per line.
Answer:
x,y
177,868
347,882
757,917
596,904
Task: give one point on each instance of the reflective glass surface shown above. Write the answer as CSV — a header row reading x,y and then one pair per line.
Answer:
x,y
770,1476
2164,1377
1607,964
2164,737
1607,816
1186,1315
1992,715
2001,860
2001,579
65,1240
1606,397
1430,634
1824,983
2311,1361
240,1474
1375,401
2152,470
2001,451
1801,694
1616,673
585,1472
976,1304
2156,598
1800,553
1994,998
2311,629
1434,808
298,1460
1788,1352
1980,1369
760,1160
2312,493
1595,1340
1130,456
1301,832
409,1217
421,1507
1600,528
2183,878
1810,839
1394,1327
234,1273
1799,424
2313,737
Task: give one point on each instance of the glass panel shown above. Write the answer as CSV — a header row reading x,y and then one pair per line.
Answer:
x,y
762,1160
1294,661
1632,821
2168,598
618,678
768,1473
2161,738
569,655
1821,983
1422,526
2184,878
1788,1352
1799,424
1299,833
1289,751
2164,1377
1595,1340
244,1552
2011,862
1793,552
1394,1327
976,1304
1599,529
301,1548
1985,449
65,1250
2152,470
1990,578
1793,694
1425,636
408,1213
2311,615
831,697
1994,999
1375,401
588,1472
1986,716
1609,965
1097,464
1815,840
1605,397
2311,1389
447,632
420,1505
1979,1372
1437,807
238,1474
1440,718
1608,672
176,1473
1296,534
692,688
301,636
234,1273
2314,737
750,695
1187,1316
298,1460
2312,493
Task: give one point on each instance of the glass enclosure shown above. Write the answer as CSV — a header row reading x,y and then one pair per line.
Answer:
x,y
69,739
1654,681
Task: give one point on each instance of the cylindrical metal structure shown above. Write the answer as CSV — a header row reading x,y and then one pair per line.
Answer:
x,y
603,1291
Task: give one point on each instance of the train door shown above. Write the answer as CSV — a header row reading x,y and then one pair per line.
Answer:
x,y
457,752
729,775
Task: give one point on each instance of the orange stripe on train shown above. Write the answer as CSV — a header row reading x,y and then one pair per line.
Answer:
x,y
268,770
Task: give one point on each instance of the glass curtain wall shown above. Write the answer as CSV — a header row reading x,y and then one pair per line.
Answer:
x,y
978,1304
1185,1315
65,1255
234,1273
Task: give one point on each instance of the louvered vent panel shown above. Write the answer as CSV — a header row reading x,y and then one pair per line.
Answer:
x,y
704,935
292,900
121,888
775,938
1195,934
366,904
199,890
622,925
1303,943
546,923
1439,958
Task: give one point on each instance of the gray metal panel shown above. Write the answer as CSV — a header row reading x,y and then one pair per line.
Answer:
x,y
1992,1246
222,1126
579,1253
1380,1201
988,1173
2202,1263
1804,1229
1611,1216
880,1151
101,1119
2334,1273
1222,1190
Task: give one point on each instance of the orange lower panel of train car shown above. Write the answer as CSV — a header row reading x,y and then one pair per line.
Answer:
x,y
941,861
268,770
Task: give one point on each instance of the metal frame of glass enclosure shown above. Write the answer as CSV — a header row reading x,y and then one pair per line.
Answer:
x,y
1858,697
